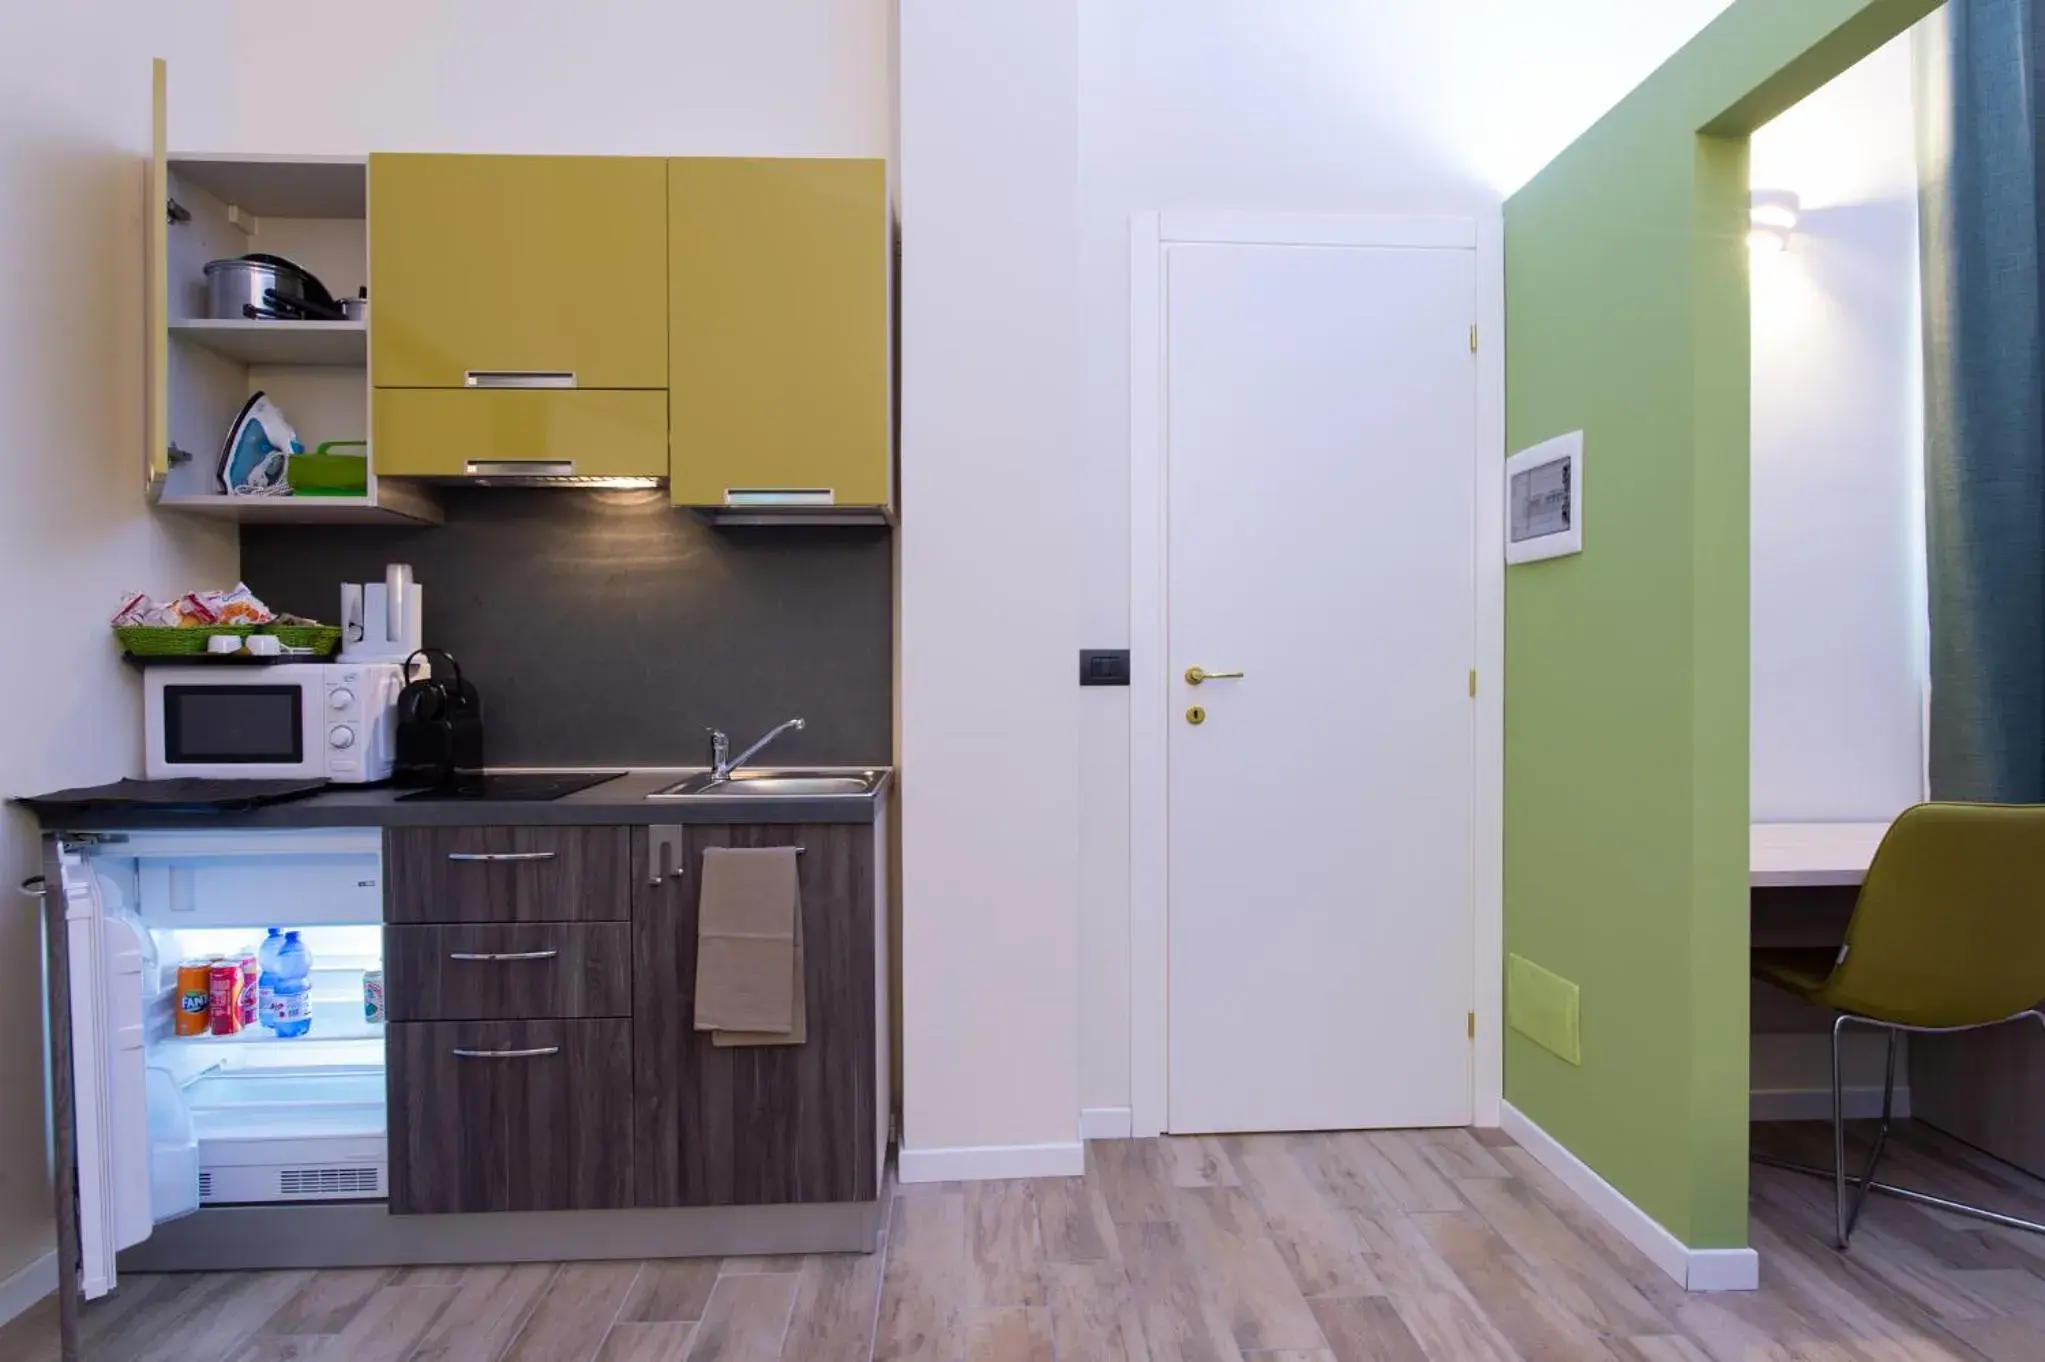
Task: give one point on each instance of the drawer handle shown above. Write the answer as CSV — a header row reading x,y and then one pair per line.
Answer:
x,y
539,1053
502,955
500,855
519,468
518,378
780,496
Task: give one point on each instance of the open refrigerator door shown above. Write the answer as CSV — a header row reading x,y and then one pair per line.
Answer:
x,y
126,1182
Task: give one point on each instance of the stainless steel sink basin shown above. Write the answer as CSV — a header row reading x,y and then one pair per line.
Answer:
x,y
772,783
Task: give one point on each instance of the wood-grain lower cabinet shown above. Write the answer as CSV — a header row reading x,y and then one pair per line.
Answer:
x,y
510,1116
768,1124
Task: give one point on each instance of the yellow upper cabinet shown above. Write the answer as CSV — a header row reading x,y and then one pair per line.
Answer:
x,y
779,336
510,270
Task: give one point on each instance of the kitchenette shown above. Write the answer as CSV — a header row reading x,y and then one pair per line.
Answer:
x,y
507,873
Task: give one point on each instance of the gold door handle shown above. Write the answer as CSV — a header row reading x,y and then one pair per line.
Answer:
x,y
1195,675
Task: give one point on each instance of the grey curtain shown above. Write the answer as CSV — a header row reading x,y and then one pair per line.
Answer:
x,y
1979,155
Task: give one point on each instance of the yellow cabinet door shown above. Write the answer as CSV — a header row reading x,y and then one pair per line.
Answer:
x,y
518,270
442,433
779,342
156,295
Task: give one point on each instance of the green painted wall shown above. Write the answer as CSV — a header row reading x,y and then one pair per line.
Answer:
x,y
1627,676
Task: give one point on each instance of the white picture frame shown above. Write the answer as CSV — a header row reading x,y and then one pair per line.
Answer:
x,y
1544,500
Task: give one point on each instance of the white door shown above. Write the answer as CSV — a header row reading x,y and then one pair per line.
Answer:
x,y
1320,439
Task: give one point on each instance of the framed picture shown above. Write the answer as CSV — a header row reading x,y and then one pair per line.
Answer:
x,y
1544,500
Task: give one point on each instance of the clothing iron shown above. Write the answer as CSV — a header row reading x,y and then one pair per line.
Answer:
x,y
258,450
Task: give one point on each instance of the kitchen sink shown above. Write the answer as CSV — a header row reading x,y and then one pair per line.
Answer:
x,y
774,783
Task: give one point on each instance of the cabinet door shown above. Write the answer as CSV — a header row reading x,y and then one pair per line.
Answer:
x,y
510,1116
517,265
779,340
156,294
757,1125
449,433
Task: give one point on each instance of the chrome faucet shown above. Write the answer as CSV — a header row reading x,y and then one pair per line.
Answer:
x,y
723,764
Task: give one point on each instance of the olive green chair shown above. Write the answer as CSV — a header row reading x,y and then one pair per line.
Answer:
x,y
1948,934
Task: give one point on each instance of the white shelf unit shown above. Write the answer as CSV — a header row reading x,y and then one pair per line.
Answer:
x,y
394,501
314,212
279,342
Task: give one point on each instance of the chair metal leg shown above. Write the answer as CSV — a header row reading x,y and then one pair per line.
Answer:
x,y
1839,1233
1843,1223
1867,1179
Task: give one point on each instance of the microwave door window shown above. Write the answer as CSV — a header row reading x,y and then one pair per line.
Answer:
x,y
232,725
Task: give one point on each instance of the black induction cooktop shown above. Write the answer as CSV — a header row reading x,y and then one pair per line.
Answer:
x,y
521,789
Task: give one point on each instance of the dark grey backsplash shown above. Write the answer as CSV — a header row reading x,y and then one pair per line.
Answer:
x,y
606,628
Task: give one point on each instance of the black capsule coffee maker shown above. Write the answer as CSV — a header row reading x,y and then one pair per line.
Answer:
x,y
440,727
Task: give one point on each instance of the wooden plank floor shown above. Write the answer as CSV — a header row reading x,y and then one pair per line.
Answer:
x,y
1445,1246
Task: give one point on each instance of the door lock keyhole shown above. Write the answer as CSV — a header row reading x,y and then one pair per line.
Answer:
x,y
1196,715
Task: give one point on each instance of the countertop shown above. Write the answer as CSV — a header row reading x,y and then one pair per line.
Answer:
x,y
622,800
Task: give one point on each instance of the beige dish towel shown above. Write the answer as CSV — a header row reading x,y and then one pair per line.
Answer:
x,y
749,947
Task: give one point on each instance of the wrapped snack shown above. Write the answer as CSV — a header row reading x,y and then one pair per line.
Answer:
x,y
136,609
239,606
192,611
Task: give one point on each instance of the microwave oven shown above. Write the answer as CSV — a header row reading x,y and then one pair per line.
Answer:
x,y
292,720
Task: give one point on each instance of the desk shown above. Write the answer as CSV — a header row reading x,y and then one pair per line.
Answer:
x,y
1807,855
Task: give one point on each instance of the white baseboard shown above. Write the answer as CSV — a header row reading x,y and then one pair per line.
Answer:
x,y
979,1163
1692,1269
1105,1123
28,1286
1815,1104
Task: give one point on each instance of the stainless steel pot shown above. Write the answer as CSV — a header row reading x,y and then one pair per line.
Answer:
x,y
232,285
265,286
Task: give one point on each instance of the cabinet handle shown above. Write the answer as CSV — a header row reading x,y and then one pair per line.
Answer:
x,y
500,855
540,1053
780,496
502,955
519,468
519,378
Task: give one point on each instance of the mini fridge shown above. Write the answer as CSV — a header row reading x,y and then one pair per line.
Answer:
x,y
167,1123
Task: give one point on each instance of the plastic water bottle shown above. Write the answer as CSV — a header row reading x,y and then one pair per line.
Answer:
x,y
266,985
293,1005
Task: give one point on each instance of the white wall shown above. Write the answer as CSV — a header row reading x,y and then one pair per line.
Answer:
x,y
74,534
1838,535
764,77
989,701
1309,106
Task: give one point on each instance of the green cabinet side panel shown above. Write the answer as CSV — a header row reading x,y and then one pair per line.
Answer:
x,y
1627,667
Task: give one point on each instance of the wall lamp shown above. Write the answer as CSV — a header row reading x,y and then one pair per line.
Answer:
x,y
1771,217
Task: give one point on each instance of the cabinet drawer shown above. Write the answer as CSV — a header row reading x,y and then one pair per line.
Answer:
x,y
440,433
507,874
478,972
510,1116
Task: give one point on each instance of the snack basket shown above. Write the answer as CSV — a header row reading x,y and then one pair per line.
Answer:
x,y
157,640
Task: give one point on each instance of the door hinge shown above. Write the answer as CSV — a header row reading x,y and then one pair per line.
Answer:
x,y
1473,1025
1473,338
1473,683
